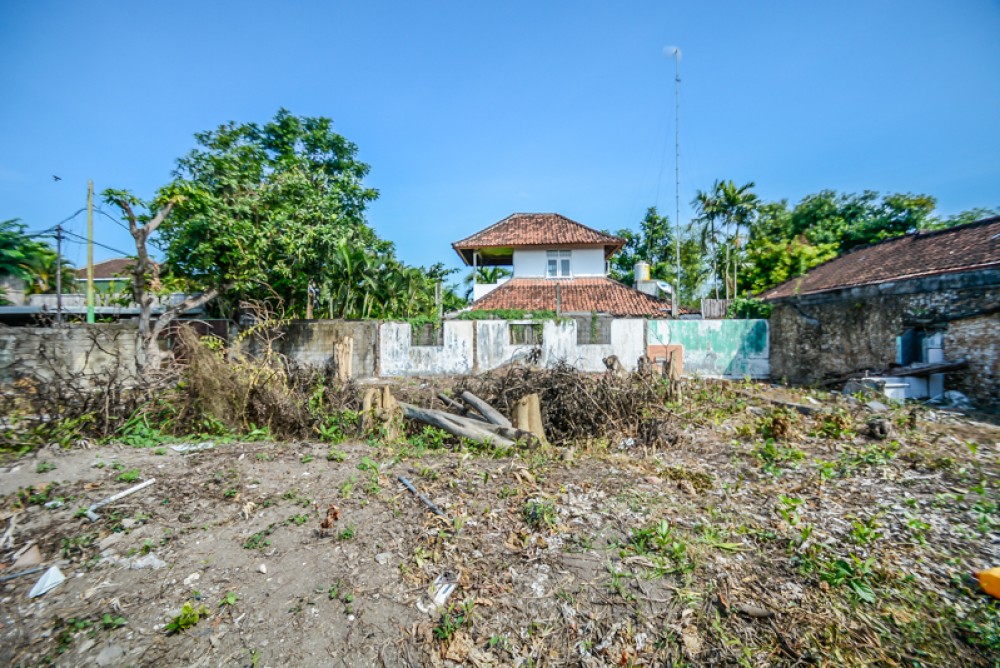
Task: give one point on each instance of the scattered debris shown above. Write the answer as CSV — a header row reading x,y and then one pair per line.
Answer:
x,y
989,580
332,515
881,429
49,581
192,447
91,513
427,502
27,556
14,576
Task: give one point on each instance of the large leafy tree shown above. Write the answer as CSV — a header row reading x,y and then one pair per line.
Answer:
x,y
271,212
267,208
654,243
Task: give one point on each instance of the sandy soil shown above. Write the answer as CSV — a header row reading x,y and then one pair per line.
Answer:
x,y
722,549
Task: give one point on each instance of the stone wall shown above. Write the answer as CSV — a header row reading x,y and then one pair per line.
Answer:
x,y
821,336
44,353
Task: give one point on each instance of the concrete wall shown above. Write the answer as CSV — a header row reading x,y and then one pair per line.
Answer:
x,y
532,263
88,350
494,349
398,357
820,336
717,348
12,291
311,343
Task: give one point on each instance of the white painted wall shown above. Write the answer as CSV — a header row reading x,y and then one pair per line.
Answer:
x,y
529,263
493,347
397,357
480,290
532,263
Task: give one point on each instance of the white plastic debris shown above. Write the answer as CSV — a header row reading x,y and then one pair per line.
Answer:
x,y
148,561
51,579
192,447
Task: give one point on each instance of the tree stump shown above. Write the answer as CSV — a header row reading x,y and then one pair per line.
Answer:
x,y
343,354
528,416
672,374
381,414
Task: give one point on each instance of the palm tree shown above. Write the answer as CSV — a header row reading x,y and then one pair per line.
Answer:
x,y
727,209
738,209
484,275
709,208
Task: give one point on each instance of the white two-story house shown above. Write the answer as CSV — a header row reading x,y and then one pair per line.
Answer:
x,y
558,265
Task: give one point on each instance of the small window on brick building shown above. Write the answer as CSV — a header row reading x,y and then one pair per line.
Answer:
x,y
526,334
430,334
593,330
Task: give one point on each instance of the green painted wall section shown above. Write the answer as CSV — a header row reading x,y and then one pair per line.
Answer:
x,y
717,348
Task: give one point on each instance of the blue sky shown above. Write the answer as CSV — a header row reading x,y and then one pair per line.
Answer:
x,y
470,111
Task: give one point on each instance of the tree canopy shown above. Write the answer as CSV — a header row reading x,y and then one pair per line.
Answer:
x,y
276,212
654,243
746,245
30,259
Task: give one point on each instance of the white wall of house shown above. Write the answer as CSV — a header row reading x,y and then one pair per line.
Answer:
x,y
532,263
480,290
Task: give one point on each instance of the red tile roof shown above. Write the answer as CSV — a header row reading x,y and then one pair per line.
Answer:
x,y
961,248
113,268
576,295
521,230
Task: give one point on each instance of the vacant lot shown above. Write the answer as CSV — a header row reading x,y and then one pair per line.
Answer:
x,y
750,534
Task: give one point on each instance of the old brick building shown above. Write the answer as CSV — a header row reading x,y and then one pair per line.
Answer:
x,y
922,298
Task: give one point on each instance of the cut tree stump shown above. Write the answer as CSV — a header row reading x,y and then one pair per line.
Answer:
x,y
528,416
381,411
343,353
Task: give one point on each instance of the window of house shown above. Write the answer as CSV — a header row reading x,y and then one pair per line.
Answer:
x,y
593,329
558,264
525,334
430,334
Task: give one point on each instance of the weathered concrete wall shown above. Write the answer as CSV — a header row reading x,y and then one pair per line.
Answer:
x,y
86,350
398,357
311,342
717,348
559,344
820,336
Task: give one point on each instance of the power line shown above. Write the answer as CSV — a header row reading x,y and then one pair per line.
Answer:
x,y
96,243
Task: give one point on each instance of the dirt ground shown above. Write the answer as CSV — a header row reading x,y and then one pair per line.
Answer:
x,y
760,537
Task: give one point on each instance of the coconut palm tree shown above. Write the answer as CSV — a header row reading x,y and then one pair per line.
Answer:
x,y
708,208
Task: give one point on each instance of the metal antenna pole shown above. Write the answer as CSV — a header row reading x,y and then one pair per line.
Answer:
x,y
675,306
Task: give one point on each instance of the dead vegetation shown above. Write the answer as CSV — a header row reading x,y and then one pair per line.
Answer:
x,y
729,528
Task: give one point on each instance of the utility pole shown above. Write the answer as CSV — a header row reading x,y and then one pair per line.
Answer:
x,y
59,314
90,252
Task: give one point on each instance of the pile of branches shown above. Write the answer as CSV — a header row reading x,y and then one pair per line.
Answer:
x,y
580,406
259,390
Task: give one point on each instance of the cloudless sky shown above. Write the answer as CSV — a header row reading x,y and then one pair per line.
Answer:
x,y
470,111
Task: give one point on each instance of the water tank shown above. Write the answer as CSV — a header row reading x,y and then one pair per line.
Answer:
x,y
641,271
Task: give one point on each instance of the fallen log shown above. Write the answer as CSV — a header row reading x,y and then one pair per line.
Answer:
x,y
452,404
455,425
491,414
